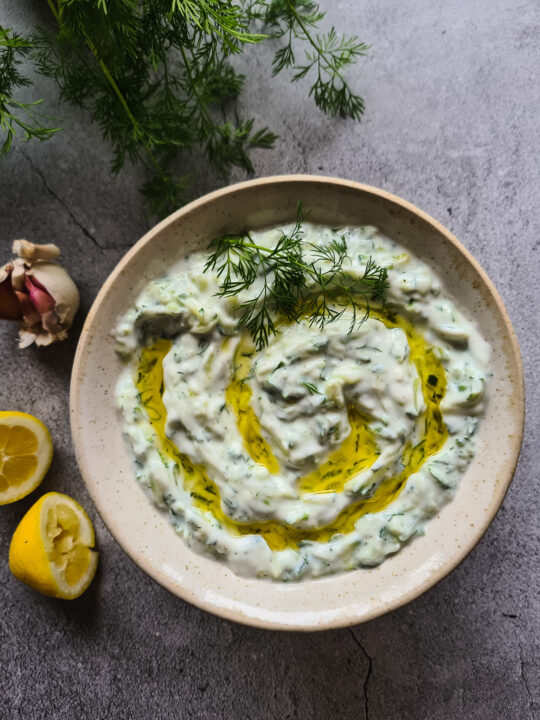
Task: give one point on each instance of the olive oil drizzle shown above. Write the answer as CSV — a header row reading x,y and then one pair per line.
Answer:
x,y
238,396
205,493
357,452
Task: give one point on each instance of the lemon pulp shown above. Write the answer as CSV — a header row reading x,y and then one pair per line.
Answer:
x,y
25,454
18,461
70,557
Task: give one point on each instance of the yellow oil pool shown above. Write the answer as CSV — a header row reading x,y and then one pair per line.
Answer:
x,y
357,452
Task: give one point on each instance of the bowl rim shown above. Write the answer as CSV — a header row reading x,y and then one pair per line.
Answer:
x,y
446,566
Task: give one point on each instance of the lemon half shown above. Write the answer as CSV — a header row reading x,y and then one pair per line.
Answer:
x,y
52,549
25,454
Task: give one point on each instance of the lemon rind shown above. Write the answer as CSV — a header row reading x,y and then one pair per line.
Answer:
x,y
29,559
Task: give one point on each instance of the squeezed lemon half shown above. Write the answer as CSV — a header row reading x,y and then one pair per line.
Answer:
x,y
52,549
25,454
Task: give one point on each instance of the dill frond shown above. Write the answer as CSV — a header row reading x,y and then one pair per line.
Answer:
x,y
17,116
156,76
326,55
291,286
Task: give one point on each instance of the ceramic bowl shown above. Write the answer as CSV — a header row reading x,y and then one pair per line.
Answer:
x,y
145,533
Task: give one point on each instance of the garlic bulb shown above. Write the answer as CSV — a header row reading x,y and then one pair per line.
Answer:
x,y
38,293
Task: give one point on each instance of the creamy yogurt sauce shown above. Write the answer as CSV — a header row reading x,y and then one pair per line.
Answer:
x,y
325,451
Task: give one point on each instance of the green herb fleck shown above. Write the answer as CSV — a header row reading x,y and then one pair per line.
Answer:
x,y
313,389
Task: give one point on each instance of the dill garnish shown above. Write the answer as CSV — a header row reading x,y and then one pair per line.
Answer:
x,y
292,286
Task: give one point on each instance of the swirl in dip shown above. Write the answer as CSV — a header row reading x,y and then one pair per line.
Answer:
x,y
326,450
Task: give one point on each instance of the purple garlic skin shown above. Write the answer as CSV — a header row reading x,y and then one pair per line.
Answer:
x,y
38,293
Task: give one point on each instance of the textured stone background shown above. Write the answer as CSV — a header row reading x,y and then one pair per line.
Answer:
x,y
451,124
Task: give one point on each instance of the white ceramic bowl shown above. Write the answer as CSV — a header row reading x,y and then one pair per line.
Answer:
x,y
146,534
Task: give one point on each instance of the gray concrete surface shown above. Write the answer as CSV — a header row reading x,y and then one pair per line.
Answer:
x,y
452,124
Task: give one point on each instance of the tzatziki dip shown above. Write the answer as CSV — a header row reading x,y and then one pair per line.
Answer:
x,y
289,424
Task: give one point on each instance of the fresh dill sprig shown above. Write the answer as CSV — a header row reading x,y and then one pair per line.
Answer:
x,y
337,290
17,116
326,54
291,286
241,262
156,77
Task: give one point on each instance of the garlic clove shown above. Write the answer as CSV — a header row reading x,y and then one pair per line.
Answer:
x,y
10,307
39,293
29,313
60,287
39,297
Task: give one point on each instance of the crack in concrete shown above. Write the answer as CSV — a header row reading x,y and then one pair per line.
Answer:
x,y
58,199
368,674
524,679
